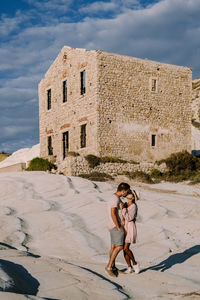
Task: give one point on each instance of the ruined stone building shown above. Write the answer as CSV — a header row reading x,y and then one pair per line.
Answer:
x,y
95,102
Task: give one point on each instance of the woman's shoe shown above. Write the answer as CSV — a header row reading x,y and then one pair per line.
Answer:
x,y
136,269
129,270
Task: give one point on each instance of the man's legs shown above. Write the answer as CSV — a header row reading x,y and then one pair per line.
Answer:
x,y
113,256
111,251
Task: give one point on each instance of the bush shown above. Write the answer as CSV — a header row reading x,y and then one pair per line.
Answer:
x,y
195,179
159,162
40,164
93,160
96,176
155,173
195,123
139,175
182,161
134,162
110,159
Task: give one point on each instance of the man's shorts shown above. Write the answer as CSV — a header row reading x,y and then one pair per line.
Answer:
x,y
117,237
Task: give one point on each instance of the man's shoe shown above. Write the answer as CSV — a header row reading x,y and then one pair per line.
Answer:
x,y
109,272
118,271
136,269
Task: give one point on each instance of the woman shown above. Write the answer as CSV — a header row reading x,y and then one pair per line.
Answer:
x,y
129,213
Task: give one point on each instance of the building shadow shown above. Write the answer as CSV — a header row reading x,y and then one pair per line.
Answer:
x,y
174,259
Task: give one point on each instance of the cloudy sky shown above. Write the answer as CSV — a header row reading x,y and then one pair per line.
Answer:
x,y
32,32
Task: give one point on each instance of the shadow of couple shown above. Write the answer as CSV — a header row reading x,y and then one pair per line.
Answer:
x,y
174,259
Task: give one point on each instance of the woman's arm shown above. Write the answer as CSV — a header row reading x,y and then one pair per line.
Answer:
x,y
129,214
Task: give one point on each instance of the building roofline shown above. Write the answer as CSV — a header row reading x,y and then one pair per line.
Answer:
x,y
128,57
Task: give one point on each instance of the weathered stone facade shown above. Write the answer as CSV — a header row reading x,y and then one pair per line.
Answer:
x,y
135,109
196,116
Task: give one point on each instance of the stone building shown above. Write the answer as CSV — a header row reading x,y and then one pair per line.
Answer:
x,y
95,102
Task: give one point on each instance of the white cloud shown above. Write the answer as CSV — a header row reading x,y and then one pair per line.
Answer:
x,y
98,6
167,31
58,5
114,6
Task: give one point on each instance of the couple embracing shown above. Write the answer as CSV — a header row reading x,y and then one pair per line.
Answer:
x,y
122,228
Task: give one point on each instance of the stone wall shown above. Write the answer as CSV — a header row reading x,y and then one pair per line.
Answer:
x,y
74,166
130,112
196,116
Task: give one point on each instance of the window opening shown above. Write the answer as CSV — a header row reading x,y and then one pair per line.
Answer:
x,y
153,140
50,148
64,91
49,99
154,85
65,141
83,136
83,82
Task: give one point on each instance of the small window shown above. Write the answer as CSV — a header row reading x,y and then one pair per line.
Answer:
x,y
50,148
64,91
49,99
83,83
83,136
65,141
153,140
154,85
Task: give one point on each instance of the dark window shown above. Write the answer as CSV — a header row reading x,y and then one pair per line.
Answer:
x,y
83,136
65,143
49,99
153,140
50,148
83,83
154,85
64,91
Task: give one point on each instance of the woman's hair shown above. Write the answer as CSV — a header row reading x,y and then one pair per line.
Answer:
x,y
134,201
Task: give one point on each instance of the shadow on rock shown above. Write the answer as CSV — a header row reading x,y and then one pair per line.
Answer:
x,y
15,278
175,259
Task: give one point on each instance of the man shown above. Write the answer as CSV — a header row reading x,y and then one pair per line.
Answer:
x,y
115,228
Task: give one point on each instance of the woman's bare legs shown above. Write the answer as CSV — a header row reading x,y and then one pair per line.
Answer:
x,y
128,255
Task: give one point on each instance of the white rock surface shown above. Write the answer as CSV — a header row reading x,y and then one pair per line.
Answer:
x,y
21,156
55,243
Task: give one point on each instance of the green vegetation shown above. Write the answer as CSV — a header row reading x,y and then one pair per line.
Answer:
x,y
94,160
140,176
110,159
96,176
195,123
3,155
181,166
40,164
182,161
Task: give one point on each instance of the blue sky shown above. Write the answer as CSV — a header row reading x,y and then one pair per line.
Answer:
x,y
32,33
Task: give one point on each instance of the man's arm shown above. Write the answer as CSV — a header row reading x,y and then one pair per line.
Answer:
x,y
114,217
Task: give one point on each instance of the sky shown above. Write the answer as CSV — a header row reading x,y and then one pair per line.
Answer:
x,y
33,32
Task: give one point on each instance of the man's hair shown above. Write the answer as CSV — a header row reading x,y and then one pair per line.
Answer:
x,y
123,186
